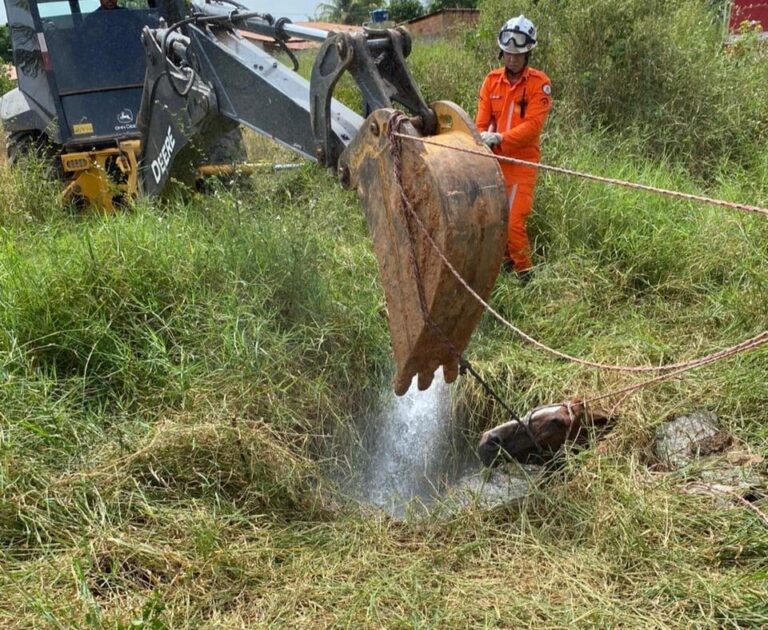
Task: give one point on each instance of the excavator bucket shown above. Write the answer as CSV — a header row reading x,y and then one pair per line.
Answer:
x,y
461,203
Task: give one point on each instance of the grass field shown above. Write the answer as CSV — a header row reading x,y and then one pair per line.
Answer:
x,y
170,376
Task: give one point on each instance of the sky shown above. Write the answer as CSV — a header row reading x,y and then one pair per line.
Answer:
x,y
296,10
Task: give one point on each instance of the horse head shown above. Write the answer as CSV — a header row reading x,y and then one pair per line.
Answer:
x,y
549,428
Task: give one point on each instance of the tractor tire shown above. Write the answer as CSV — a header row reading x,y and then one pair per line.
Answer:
x,y
24,147
216,147
19,145
229,148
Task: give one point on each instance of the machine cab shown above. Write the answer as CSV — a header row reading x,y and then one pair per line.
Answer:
x,y
80,65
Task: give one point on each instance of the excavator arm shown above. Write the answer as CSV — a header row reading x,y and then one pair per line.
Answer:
x,y
211,72
204,78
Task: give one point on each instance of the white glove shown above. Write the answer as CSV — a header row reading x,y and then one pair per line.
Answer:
x,y
490,138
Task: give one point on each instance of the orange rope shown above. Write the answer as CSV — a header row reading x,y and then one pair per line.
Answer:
x,y
754,342
597,178
672,369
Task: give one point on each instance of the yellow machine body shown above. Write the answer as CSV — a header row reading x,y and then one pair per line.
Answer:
x,y
92,175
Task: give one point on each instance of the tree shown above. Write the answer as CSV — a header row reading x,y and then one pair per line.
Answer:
x,y
404,10
5,44
436,5
346,11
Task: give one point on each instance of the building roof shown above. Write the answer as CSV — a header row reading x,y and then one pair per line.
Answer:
x,y
296,43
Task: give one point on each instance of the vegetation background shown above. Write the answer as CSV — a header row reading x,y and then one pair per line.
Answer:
x,y
398,11
168,375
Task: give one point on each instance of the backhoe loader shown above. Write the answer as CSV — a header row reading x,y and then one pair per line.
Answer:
x,y
126,99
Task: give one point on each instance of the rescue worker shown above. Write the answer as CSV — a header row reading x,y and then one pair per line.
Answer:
x,y
513,107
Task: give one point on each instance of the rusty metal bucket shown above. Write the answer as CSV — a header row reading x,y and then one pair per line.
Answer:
x,y
460,199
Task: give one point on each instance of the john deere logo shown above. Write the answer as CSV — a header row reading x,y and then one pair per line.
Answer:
x,y
125,117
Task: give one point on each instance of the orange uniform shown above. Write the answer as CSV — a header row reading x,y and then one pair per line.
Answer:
x,y
518,112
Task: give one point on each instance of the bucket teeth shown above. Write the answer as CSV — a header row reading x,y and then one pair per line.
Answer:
x,y
461,202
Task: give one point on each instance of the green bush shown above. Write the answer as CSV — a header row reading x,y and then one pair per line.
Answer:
x,y
446,70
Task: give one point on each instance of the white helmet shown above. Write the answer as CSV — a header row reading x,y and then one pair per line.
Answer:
x,y
518,35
